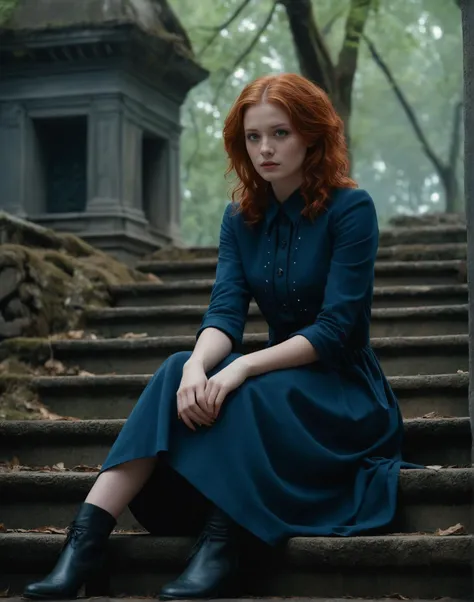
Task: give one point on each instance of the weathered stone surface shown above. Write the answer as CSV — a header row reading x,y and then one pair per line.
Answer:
x,y
10,278
156,19
47,279
429,219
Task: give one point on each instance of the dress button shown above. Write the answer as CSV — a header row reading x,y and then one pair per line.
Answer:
x,y
283,244
284,306
280,272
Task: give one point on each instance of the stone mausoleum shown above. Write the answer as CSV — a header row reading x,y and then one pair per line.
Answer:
x,y
90,97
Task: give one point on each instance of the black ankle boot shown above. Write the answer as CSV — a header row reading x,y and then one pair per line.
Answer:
x,y
214,562
81,558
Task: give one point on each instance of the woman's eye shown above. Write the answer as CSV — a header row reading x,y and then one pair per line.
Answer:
x,y
252,137
282,133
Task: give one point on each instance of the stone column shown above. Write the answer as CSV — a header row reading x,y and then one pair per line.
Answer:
x,y
467,7
12,158
104,156
132,166
175,189
114,163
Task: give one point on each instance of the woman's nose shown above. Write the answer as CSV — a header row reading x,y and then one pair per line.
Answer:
x,y
266,147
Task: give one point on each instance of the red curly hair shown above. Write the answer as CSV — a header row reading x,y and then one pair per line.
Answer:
x,y
312,114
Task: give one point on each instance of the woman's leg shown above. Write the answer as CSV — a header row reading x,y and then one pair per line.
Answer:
x,y
83,555
116,487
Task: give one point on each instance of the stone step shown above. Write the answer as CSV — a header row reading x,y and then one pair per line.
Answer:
x,y
198,292
424,252
428,500
439,247
300,599
428,441
425,235
182,320
387,273
400,356
424,566
114,396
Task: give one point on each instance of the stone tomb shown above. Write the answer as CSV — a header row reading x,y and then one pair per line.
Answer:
x,y
90,97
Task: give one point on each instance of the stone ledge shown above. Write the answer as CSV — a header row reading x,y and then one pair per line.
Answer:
x,y
435,381
165,266
264,599
26,347
147,552
207,283
443,486
167,311
56,431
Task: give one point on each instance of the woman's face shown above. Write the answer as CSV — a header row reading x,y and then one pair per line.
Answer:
x,y
276,150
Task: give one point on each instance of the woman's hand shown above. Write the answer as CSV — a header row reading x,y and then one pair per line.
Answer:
x,y
191,399
222,383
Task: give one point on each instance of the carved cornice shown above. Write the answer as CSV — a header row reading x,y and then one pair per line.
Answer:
x,y
153,58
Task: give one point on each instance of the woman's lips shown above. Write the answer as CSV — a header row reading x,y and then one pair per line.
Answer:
x,y
269,165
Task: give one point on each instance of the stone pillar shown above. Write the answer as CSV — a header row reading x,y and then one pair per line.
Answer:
x,y
114,150
175,189
132,166
467,7
12,158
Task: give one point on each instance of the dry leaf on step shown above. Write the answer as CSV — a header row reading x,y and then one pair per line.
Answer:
x,y
435,467
454,530
55,366
135,335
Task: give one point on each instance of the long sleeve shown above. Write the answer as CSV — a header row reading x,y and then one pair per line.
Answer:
x,y
351,273
230,297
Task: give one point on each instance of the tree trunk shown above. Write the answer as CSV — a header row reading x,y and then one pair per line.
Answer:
x,y
314,58
451,190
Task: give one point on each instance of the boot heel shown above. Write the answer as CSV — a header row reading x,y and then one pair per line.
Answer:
x,y
98,585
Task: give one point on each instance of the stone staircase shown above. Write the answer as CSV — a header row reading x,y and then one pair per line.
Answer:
x,y
419,331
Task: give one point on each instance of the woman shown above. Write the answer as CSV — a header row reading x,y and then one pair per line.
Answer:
x,y
300,438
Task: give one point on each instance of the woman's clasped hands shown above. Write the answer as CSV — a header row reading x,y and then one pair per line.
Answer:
x,y
199,399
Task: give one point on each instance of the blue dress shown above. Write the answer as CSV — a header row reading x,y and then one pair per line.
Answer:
x,y
307,451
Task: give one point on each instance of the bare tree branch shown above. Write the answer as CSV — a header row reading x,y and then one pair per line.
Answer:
x,y
313,55
326,30
247,51
409,112
349,54
217,29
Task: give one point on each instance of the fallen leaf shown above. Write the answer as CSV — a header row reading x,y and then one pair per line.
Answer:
x,y
431,415
76,334
85,373
85,468
134,335
454,530
55,367
59,466
49,530
5,593
2,528
435,467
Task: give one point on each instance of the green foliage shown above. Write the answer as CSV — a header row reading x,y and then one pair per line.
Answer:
x,y
419,39
6,10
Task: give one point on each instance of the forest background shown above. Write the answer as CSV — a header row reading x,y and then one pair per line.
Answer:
x,y
392,67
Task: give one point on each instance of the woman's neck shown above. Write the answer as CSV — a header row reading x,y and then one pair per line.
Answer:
x,y
284,188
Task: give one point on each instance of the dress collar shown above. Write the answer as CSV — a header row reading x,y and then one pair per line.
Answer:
x,y
292,207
